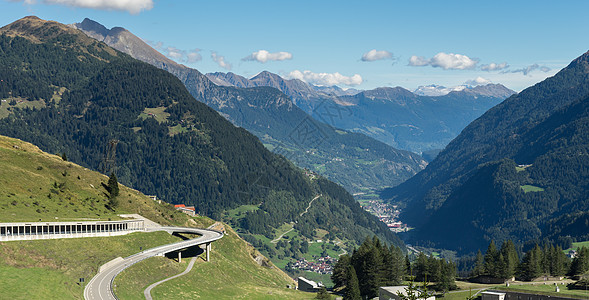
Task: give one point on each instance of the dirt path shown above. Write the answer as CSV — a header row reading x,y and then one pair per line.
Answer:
x,y
309,206
274,241
147,292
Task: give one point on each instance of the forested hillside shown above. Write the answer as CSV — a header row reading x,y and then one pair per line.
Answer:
x,y
356,161
517,172
70,94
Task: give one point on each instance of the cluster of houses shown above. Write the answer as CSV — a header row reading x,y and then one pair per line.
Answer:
x,y
323,265
310,173
387,213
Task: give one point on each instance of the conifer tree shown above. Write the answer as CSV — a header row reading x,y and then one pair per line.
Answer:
x,y
113,185
510,257
340,271
580,263
531,266
491,257
352,291
479,267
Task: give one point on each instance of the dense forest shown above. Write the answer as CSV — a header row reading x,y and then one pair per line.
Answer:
x,y
519,172
70,94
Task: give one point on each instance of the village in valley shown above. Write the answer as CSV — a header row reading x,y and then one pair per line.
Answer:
x,y
323,265
387,213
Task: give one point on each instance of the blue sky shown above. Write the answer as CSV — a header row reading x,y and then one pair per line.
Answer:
x,y
359,44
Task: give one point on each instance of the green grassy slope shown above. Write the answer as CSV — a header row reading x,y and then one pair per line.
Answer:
x,y
51,269
232,273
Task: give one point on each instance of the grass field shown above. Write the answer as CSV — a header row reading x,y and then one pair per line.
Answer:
x,y
457,295
548,289
240,211
37,186
156,112
55,266
6,107
530,188
577,245
231,274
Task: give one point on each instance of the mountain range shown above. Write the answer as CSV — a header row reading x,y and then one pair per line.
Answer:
x,y
518,172
73,95
417,122
358,162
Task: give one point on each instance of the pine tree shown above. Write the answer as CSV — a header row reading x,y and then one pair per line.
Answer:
x,y
112,188
491,257
479,267
447,276
580,263
408,269
340,270
369,283
352,291
396,266
421,267
560,262
510,257
531,266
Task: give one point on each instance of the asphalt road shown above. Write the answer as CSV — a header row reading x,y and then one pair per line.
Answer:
x,y
100,286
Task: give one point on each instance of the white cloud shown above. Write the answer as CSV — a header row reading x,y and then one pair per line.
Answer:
x,y
264,56
132,6
193,56
183,56
478,81
174,53
452,61
494,67
418,61
220,60
374,54
446,61
326,79
529,69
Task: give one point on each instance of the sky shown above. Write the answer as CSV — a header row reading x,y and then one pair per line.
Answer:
x,y
352,44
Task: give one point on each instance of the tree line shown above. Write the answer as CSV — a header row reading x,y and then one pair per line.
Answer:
x,y
374,264
546,260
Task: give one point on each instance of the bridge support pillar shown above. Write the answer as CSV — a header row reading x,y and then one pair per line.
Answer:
x,y
179,256
208,250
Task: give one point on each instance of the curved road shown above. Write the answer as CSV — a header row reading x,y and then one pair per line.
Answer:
x,y
100,287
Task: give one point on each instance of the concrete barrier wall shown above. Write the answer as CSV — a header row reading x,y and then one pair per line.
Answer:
x,y
63,230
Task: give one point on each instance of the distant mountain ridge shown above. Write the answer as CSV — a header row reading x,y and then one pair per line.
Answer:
x,y
316,100
395,116
359,163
